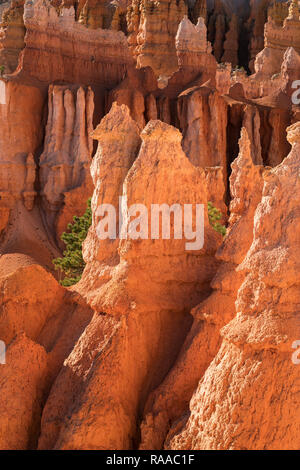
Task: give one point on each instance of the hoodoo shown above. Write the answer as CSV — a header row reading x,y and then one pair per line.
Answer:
x,y
149,226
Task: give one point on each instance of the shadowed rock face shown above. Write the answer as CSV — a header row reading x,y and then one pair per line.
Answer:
x,y
21,135
64,163
158,346
11,34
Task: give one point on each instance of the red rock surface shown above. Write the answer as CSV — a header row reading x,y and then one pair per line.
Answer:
x,y
21,391
175,281
237,402
157,346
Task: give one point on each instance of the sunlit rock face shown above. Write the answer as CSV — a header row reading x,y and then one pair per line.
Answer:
x,y
113,280
168,403
57,47
259,336
173,342
21,386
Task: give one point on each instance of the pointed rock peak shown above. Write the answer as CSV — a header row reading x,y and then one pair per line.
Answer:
x,y
30,160
293,133
185,26
244,141
291,59
156,130
244,156
192,37
80,92
200,26
116,123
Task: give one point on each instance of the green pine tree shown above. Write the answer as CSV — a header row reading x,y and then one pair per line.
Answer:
x,y
71,265
214,215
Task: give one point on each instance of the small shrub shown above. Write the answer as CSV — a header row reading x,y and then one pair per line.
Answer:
x,y
72,264
214,215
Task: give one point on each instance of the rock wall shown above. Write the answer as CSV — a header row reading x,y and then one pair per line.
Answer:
x,y
152,27
64,163
12,32
21,136
68,51
203,119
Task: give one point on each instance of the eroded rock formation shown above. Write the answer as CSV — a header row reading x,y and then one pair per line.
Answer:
x,y
65,161
161,345
66,50
21,388
114,285
12,34
166,404
21,123
257,341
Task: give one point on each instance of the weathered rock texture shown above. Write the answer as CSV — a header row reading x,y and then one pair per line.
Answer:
x,y
21,136
39,323
248,396
191,42
203,120
166,404
66,50
21,386
65,161
12,32
29,297
152,28
175,278
231,42
158,346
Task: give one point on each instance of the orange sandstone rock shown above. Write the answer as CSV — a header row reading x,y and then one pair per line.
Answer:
x,y
29,297
22,381
153,285
21,135
203,119
12,32
170,400
248,397
64,163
